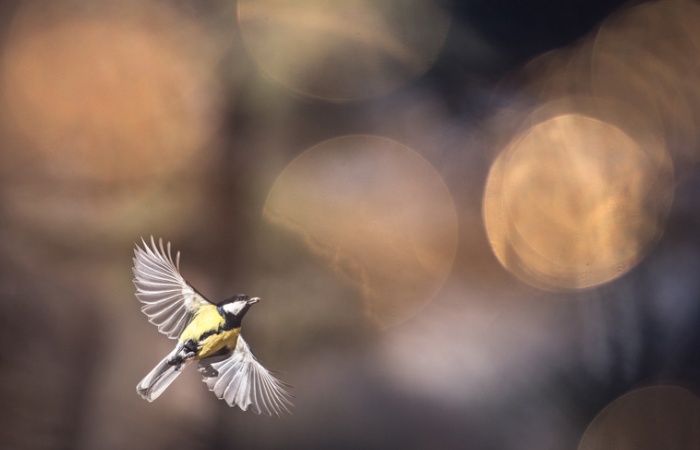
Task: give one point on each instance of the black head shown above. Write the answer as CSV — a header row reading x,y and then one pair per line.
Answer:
x,y
237,305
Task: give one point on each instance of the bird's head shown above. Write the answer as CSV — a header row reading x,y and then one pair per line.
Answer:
x,y
238,304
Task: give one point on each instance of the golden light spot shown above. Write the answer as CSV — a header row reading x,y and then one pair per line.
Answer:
x,y
647,56
647,419
644,57
343,50
104,93
573,202
378,213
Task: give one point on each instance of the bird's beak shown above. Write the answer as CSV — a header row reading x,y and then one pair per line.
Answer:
x,y
253,300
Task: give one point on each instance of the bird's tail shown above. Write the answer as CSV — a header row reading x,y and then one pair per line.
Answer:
x,y
162,375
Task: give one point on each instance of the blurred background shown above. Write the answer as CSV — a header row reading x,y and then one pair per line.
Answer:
x,y
473,224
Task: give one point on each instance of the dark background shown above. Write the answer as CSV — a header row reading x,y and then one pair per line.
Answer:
x,y
490,363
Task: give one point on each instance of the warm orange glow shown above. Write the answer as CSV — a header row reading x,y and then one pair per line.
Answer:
x,y
647,419
647,56
378,212
106,94
572,203
644,58
343,50
638,75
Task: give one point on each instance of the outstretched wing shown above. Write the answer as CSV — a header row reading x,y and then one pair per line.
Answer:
x,y
169,301
242,381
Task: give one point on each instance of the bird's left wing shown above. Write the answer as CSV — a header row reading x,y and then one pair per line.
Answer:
x,y
169,301
242,381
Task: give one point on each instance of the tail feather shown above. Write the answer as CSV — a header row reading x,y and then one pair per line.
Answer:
x,y
161,376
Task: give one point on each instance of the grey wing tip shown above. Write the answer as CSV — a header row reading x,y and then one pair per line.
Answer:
x,y
144,393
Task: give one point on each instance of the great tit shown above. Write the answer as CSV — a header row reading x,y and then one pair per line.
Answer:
x,y
206,332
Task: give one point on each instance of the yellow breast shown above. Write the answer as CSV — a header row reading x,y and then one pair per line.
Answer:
x,y
216,342
202,330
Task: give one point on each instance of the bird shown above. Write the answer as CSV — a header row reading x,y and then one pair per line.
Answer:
x,y
206,332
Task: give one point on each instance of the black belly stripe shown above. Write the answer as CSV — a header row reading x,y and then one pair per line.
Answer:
x,y
206,334
230,322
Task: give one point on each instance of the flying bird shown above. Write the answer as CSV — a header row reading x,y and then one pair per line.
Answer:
x,y
207,332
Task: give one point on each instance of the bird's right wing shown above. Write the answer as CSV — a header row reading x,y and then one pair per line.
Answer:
x,y
169,301
242,381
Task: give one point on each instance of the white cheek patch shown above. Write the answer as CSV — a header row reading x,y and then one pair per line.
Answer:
x,y
234,308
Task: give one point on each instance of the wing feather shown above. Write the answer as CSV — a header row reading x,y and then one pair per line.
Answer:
x,y
168,299
240,380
